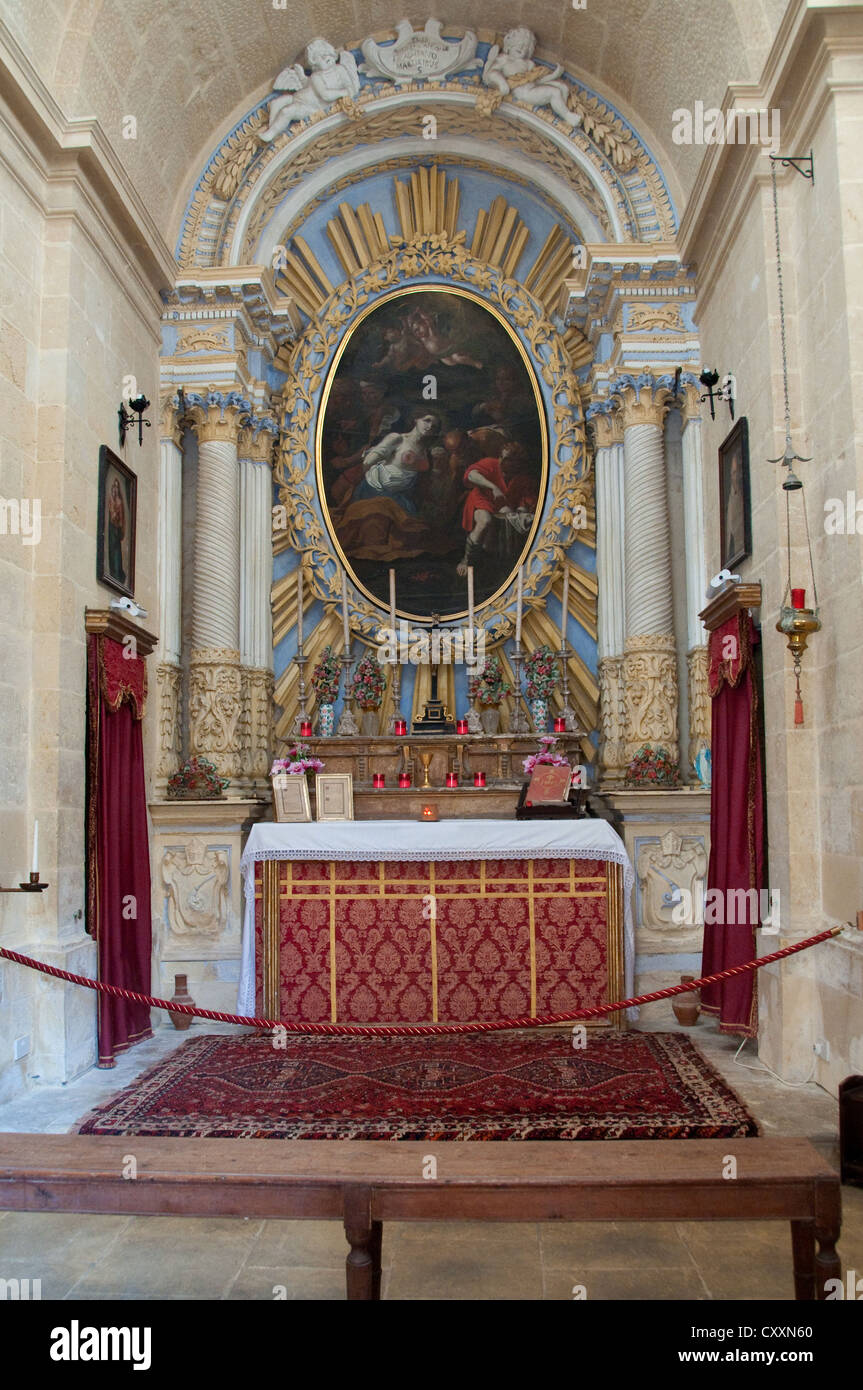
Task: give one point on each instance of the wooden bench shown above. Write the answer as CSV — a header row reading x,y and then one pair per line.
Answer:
x,y
365,1184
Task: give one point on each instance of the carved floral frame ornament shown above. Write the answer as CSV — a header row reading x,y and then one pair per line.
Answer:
x,y
428,259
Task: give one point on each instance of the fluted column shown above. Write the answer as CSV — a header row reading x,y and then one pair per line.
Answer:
x,y
217,728
650,663
696,576
611,633
255,448
169,677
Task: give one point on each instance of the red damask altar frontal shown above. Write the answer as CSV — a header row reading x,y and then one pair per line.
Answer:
x,y
439,941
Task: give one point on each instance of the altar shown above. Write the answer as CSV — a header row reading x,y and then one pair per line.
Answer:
x,y
451,922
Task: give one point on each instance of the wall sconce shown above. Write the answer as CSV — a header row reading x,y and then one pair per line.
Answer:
x,y
709,379
127,418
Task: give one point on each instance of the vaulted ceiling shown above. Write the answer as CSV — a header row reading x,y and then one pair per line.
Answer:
x,y
187,69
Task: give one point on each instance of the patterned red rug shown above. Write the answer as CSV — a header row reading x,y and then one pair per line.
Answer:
x,y
496,1086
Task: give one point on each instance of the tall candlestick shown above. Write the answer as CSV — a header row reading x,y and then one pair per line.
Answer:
x,y
565,610
470,607
35,869
519,601
345,624
300,607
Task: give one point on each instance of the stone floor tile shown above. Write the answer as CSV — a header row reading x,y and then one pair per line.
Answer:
x,y
601,1245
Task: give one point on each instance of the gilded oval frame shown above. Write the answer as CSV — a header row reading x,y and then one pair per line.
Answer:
x,y
456,613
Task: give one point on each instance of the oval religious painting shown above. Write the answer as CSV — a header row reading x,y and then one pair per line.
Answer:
x,y
432,451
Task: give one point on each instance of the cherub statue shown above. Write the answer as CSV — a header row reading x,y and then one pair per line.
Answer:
x,y
333,78
514,73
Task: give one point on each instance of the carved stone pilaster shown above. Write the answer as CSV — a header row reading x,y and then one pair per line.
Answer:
x,y
650,694
699,703
169,681
612,743
216,724
258,699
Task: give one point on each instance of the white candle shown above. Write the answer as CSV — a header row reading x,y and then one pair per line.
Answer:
x,y
518,606
470,607
300,606
393,603
35,847
346,629
565,610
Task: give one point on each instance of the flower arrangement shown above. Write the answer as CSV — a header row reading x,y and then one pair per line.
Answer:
x,y
652,767
326,678
368,683
296,760
541,673
196,779
490,686
545,755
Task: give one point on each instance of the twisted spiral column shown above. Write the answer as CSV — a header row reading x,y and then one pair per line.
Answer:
x,y
650,664
217,728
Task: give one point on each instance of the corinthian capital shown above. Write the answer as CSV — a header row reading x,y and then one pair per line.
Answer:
x,y
169,420
217,414
255,440
644,400
607,423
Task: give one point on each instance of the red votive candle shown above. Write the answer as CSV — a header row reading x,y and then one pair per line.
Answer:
x,y
559,724
378,780
798,598
461,726
479,779
401,727
404,779
305,729
452,779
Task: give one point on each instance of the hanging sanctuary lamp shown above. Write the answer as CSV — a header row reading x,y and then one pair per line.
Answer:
x,y
796,621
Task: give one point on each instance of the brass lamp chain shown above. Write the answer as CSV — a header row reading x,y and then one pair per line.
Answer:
x,y
789,456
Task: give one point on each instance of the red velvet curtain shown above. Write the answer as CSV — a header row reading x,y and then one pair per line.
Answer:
x,y
736,826
117,841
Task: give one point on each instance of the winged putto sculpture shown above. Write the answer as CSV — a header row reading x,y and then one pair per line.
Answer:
x,y
333,78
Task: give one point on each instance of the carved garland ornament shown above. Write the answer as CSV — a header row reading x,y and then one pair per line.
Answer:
x,y
298,522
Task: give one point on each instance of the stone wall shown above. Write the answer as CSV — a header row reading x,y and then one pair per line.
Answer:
x,y
80,312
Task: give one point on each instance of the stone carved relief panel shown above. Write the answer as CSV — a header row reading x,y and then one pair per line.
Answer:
x,y
699,703
195,877
667,869
169,680
612,748
650,694
216,725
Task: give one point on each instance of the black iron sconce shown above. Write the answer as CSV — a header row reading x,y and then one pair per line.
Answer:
x,y
710,380
127,418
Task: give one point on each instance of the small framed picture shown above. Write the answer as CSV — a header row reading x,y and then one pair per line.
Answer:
x,y
291,797
548,784
735,520
115,539
334,794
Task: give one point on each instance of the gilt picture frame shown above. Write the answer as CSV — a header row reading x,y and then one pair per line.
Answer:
x,y
432,451
334,796
291,803
735,517
116,522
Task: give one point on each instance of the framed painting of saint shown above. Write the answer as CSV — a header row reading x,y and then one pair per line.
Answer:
x,y
115,540
735,521
432,450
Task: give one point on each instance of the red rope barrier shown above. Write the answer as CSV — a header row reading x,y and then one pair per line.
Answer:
x,y
413,1030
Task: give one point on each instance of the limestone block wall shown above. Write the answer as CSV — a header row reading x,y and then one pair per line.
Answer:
x,y
814,773
78,314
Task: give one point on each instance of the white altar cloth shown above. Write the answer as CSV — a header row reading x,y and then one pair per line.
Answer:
x,y
399,840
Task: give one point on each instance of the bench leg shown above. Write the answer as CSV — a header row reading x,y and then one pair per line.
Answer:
x,y
803,1253
363,1264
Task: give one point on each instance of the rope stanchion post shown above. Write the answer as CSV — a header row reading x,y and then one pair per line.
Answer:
x,y
413,1030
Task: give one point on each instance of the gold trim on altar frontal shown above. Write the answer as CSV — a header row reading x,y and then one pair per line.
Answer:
x,y
434,407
